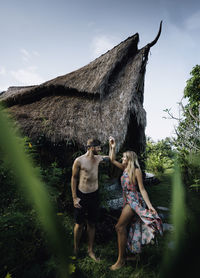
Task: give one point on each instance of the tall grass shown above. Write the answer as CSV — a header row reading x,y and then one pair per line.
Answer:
x,y
34,191
176,241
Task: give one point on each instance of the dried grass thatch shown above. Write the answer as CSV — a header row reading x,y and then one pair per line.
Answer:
x,y
100,99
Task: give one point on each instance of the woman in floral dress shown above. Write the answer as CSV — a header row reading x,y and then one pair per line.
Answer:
x,y
137,208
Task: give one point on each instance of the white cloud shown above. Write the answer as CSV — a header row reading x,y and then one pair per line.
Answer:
x,y
28,55
25,55
3,88
35,53
27,76
2,71
193,22
3,79
101,44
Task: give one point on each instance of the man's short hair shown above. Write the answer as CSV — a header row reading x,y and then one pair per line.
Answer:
x,y
93,143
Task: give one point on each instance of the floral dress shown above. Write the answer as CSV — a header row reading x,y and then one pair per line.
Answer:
x,y
145,223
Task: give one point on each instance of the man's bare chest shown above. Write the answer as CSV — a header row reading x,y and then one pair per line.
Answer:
x,y
89,167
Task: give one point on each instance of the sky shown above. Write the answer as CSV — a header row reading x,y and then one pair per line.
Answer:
x,y
43,39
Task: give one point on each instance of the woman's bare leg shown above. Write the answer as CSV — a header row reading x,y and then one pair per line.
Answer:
x,y
125,217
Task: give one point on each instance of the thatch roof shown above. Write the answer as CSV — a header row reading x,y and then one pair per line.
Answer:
x,y
100,99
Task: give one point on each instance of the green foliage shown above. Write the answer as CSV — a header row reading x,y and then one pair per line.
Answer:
x,y
20,234
191,121
8,275
161,194
159,155
194,174
8,191
192,89
20,241
178,217
178,210
187,142
77,154
103,192
181,255
54,178
189,164
147,267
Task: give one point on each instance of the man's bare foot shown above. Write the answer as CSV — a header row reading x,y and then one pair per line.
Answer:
x,y
117,265
92,256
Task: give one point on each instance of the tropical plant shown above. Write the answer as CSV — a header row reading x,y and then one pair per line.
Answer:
x,y
159,155
187,141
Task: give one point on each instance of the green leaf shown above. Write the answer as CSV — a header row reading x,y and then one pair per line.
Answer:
x,y
195,185
8,275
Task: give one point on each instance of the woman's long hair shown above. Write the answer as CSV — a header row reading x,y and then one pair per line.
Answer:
x,y
133,163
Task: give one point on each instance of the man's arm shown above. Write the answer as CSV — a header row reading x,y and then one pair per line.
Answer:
x,y
74,181
105,158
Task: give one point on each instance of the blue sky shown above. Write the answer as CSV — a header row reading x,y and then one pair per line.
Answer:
x,y
44,39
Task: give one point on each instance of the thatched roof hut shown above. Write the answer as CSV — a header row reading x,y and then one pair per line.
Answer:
x,y
100,99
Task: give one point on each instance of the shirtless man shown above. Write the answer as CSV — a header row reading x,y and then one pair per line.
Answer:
x,y
84,185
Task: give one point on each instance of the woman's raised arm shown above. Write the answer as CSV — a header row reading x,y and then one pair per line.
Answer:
x,y
112,145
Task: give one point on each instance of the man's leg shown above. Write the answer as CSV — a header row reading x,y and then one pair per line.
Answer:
x,y
91,235
93,215
79,216
78,228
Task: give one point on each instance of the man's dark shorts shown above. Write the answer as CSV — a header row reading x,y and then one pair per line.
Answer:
x,y
89,207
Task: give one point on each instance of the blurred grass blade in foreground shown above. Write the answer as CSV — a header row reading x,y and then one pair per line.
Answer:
x,y
35,191
175,246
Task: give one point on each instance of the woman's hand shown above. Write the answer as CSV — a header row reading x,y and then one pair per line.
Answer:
x,y
152,209
112,142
